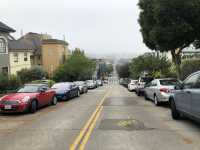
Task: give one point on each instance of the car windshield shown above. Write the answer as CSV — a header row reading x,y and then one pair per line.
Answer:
x,y
28,89
60,86
90,81
79,83
169,82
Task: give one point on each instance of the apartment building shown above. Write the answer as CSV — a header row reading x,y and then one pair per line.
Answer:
x,y
54,53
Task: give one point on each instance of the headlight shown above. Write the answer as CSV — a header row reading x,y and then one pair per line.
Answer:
x,y
26,99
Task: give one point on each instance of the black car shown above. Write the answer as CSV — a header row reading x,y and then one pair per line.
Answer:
x,y
66,90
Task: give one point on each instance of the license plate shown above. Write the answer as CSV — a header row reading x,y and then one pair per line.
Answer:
x,y
7,107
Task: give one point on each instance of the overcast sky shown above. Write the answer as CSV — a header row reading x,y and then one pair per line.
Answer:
x,y
100,27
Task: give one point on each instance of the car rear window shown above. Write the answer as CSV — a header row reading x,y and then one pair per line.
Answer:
x,y
169,82
146,79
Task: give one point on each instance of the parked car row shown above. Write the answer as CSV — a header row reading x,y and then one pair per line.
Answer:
x,y
31,97
183,96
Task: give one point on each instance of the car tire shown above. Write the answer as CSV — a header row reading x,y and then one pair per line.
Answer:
x,y
156,101
78,93
138,93
54,100
33,107
174,112
145,96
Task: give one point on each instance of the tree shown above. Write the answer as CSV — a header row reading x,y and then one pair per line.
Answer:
x,y
104,70
154,65
168,25
76,67
188,67
123,70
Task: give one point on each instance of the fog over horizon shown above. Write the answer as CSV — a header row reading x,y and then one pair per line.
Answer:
x,y
100,27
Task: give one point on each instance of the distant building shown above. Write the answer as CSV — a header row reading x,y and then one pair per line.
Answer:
x,y
54,53
4,52
20,52
190,53
36,40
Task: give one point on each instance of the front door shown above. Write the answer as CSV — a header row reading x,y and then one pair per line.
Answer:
x,y
196,98
184,96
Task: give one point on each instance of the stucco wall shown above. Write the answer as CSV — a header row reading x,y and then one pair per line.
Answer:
x,y
52,56
21,64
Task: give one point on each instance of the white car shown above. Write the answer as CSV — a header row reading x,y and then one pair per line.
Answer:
x,y
159,90
132,85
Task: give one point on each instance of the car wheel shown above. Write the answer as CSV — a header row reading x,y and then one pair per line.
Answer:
x,y
174,112
54,100
138,93
78,93
145,96
156,101
33,107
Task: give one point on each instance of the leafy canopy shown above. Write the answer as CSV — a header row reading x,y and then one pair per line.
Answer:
x,y
149,63
77,67
169,24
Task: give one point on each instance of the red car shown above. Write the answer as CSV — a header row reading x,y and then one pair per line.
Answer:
x,y
30,97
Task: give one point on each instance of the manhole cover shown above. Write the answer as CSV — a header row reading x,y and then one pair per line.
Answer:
x,y
122,124
119,101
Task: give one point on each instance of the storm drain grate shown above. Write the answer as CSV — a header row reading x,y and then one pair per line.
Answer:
x,y
119,101
122,124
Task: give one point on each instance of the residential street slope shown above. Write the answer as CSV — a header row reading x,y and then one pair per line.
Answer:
x,y
126,122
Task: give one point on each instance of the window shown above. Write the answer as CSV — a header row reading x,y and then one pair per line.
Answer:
x,y
197,83
5,70
16,57
25,57
190,82
2,46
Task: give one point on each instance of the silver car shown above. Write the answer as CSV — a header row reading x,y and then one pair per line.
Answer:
x,y
159,90
186,99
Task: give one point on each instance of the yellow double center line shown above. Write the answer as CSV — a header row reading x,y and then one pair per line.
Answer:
x,y
84,135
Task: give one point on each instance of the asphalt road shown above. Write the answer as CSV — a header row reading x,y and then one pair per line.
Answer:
x,y
123,122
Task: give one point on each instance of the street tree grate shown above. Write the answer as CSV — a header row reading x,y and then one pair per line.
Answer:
x,y
122,124
120,101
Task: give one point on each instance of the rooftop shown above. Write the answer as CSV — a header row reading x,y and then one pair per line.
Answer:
x,y
21,44
54,41
6,29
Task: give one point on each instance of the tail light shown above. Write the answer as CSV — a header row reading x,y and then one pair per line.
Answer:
x,y
165,90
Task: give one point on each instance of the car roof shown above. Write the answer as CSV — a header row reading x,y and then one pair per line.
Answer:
x,y
166,79
35,84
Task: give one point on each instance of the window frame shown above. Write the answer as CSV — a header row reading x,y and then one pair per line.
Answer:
x,y
15,57
25,56
192,86
5,46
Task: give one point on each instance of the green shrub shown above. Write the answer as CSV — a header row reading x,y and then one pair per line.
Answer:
x,y
8,83
49,82
28,75
188,67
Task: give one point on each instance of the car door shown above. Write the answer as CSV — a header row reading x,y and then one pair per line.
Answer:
x,y
42,96
147,89
196,98
183,98
73,90
153,88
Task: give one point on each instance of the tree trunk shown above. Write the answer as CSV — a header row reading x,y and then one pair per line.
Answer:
x,y
176,58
